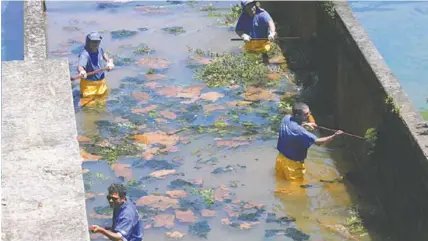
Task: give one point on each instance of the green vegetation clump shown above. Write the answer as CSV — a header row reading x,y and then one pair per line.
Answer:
x,y
329,8
393,108
121,34
143,49
244,69
232,16
174,30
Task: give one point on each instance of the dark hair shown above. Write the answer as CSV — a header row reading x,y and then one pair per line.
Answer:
x,y
298,108
117,188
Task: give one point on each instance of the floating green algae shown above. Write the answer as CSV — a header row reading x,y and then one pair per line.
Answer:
x,y
200,229
174,30
143,49
122,34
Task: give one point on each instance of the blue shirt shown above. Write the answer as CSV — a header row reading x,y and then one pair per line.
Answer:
x,y
257,26
127,222
92,61
294,140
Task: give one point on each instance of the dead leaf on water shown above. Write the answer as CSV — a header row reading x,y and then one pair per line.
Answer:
x,y
257,94
274,76
170,149
83,139
199,60
193,91
226,221
148,226
154,77
208,213
174,235
162,173
277,60
90,195
170,91
213,107
84,171
250,205
230,210
246,225
122,170
153,62
231,143
157,137
158,202
164,220
168,114
152,85
198,182
140,95
88,156
161,121
212,96
176,193
221,193
145,109
150,153
185,216
65,44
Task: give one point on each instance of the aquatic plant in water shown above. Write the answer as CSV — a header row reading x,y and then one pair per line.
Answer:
x,y
174,30
233,14
143,49
200,229
121,34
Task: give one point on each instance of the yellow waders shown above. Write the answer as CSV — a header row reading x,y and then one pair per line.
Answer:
x,y
93,90
258,46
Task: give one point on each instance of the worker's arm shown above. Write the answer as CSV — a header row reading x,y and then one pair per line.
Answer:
x,y
83,60
109,61
106,232
327,139
272,27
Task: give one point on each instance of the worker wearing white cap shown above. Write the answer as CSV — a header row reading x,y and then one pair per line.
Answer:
x,y
93,58
256,27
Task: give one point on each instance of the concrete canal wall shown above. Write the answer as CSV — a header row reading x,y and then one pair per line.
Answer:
x,y
43,195
357,88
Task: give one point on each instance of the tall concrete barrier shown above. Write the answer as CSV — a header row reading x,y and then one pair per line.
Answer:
x,y
358,89
43,196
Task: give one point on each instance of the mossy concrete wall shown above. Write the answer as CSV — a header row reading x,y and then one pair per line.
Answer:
x,y
43,196
357,88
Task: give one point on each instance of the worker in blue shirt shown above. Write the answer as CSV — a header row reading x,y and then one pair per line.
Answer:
x,y
295,140
92,58
256,27
127,225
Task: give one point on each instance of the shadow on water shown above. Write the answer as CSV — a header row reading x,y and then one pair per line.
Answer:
x,y
197,160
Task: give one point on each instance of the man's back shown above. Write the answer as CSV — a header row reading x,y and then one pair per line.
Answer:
x,y
127,222
294,140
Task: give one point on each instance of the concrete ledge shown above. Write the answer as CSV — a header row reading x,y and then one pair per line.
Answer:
x,y
411,118
42,184
35,42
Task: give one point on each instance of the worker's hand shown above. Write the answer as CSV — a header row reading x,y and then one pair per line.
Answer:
x,y
309,125
110,65
94,228
246,37
338,132
83,74
272,36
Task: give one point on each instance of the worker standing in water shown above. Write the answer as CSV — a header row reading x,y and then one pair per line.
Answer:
x,y
294,141
256,27
127,225
93,58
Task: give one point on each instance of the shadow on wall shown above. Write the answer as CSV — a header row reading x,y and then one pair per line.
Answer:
x,y
357,92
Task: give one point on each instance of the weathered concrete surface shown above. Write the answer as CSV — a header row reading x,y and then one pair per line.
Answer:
x,y
354,84
35,44
42,185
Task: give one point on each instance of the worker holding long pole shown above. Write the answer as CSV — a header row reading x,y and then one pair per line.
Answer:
x,y
93,59
256,27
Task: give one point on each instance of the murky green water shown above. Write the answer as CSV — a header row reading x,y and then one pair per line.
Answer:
x,y
231,147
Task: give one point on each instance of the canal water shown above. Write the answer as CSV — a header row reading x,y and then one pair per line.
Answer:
x,y
214,179
398,30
